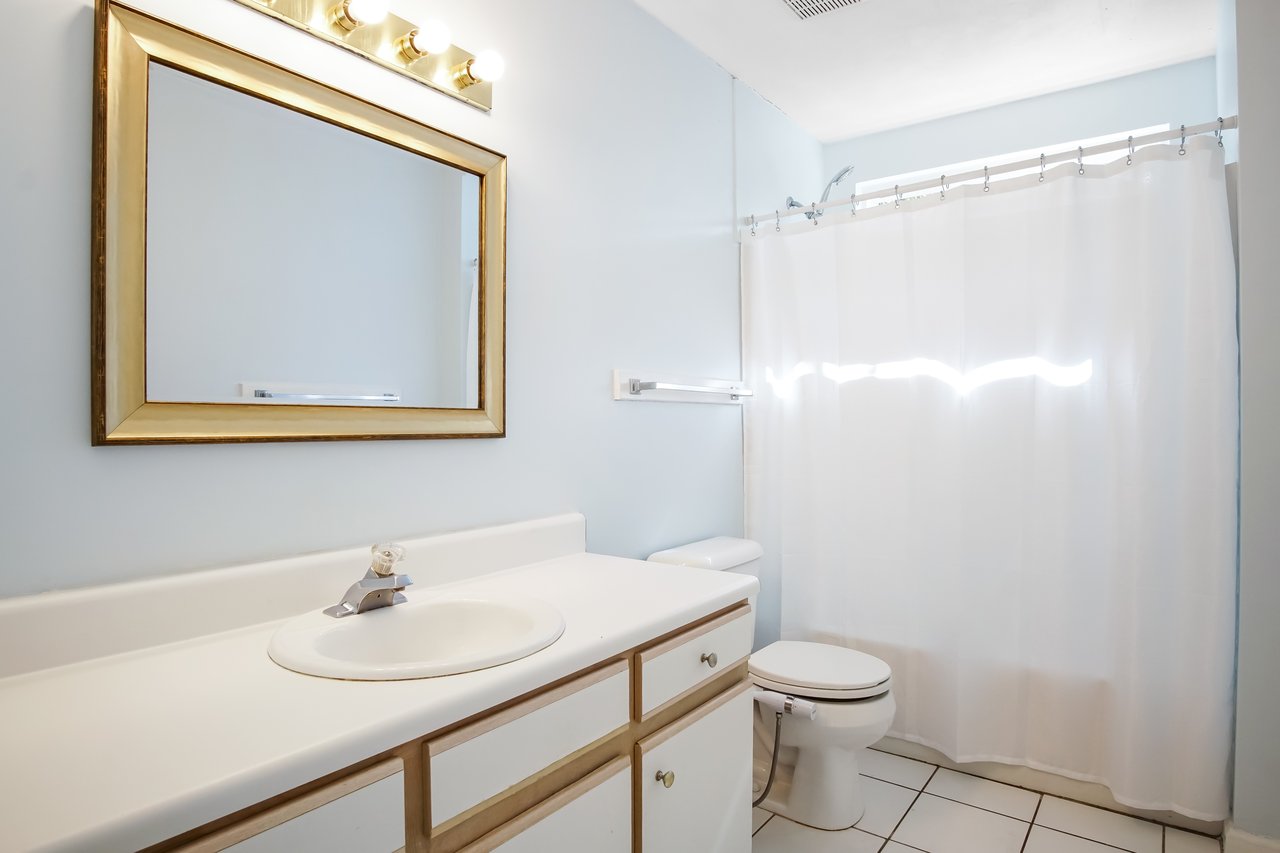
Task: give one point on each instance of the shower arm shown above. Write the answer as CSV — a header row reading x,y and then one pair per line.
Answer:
x,y
826,193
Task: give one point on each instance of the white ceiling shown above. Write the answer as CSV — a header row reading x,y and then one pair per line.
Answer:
x,y
879,64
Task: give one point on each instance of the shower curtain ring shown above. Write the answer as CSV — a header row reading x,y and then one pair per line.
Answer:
x,y
777,221
897,196
1221,126
1080,158
1182,148
753,225
1128,161
1042,168
986,180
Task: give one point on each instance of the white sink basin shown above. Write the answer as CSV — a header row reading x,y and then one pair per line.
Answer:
x,y
417,639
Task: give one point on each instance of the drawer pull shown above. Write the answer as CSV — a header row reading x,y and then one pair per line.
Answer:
x,y
667,779
710,659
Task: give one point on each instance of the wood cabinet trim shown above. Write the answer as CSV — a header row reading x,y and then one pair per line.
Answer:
x,y
296,807
528,706
651,652
549,806
662,735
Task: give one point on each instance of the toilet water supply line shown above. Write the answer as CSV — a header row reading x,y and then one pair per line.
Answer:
x,y
780,704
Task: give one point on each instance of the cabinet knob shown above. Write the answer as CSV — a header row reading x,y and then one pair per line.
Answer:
x,y
667,779
710,659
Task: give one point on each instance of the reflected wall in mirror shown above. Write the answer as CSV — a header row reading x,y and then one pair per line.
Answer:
x,y
276,260
289,256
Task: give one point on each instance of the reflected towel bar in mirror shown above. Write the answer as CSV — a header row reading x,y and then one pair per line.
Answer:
x,y
345,398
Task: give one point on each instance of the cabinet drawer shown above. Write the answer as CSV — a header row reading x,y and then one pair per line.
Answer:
x,y
702,800
361,813
483,759
673,668
592,814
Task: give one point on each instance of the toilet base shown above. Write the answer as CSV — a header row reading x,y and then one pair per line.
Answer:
x,y
821,789
817,780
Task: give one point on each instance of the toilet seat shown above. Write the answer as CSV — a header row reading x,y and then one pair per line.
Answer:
x,y
819,671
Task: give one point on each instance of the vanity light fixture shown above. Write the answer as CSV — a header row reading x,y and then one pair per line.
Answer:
x,y
421,49
487,67
350,15
431,38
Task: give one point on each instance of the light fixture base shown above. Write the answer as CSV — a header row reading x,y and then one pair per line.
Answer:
x,y
406,51
382,44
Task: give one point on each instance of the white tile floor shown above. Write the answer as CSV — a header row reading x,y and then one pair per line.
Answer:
x,y
914,807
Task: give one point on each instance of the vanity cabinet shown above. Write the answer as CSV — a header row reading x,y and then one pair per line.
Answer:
x,y
571,766
695,779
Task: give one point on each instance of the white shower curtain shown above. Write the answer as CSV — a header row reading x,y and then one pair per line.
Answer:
x,y
994,444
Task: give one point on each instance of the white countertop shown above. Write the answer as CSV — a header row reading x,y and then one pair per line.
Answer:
x,y
122,752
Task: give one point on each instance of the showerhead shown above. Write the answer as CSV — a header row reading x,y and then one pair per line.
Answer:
x,y
840,176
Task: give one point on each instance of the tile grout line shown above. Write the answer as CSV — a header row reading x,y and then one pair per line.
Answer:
x,y
1039,794
908,846
766,822
1042,794
1034,815
1084,838
979,808
914,800
1086,804
897,784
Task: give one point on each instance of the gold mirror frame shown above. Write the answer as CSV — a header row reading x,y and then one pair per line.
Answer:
x,y
126,43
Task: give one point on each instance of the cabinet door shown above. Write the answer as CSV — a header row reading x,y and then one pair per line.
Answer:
x,y
706,808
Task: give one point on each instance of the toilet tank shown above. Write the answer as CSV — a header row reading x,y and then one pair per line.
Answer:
x,y
719,553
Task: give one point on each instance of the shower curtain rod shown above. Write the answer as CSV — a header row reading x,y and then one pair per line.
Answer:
x,y
1133,142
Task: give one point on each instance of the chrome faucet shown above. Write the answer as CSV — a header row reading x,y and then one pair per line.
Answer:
x,y
380,586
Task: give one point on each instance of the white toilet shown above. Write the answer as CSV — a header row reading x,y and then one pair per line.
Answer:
x,y
816,781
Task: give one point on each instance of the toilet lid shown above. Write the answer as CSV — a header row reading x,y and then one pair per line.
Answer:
x,y
820,669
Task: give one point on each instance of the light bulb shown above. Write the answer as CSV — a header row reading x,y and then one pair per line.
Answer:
x,y
488,66
432,37
365,12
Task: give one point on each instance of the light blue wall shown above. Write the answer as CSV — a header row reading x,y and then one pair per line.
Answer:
x,y
1179,94
774,157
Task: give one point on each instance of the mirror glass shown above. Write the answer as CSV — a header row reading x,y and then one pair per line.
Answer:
x,y
290,260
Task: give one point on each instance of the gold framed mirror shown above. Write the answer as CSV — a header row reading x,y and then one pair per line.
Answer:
x,y
277,260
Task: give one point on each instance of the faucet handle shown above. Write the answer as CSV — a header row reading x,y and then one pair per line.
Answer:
x,y
385,557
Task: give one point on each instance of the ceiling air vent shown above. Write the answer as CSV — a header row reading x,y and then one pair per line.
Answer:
x,y
806,9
